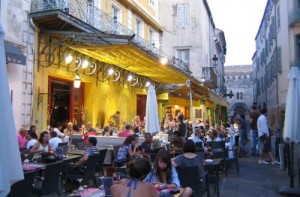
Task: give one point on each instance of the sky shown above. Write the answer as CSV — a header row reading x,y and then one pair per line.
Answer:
x,y
239,20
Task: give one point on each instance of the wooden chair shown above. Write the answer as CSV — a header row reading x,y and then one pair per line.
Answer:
x,y
49,183
23,187
186,180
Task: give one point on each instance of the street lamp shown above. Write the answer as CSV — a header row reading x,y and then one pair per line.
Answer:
x,y
215,59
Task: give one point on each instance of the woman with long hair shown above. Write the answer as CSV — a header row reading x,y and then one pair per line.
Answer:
x,y
164,175
127,150
42,146
134,185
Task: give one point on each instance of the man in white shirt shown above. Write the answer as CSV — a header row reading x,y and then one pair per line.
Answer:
x,y
57,128
264,137
197,140
54,141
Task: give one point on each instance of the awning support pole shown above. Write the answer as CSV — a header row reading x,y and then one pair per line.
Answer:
x,y
188,84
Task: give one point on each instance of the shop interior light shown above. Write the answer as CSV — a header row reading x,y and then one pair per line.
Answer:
x,y
77,81
164,60
68,59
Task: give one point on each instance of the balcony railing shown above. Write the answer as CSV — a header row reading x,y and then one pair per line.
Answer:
x,y
209,77
84,10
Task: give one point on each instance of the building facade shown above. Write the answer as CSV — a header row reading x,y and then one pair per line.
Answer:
x,y
19,47
190,36
239,82
277,49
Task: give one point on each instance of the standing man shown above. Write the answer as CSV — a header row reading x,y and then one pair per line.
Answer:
x,y
255,144
181,127
264,137
114,120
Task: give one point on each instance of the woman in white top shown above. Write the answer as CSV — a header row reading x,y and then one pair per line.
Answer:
x,y
213,137
42,146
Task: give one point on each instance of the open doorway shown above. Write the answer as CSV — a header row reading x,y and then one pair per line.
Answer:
x,y
60,101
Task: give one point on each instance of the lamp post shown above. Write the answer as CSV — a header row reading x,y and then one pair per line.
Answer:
x,y
229,94
215,59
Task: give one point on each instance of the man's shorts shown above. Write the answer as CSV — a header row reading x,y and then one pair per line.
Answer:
x,y
266,143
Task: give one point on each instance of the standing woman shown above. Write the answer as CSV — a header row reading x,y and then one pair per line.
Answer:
x,y
164,175
42,146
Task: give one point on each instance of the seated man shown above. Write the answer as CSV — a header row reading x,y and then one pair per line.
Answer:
x,y
91,150
126,132
55,140
197,140
147,145
177,141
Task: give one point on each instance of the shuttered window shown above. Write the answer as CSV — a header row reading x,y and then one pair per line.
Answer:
x,y
182,15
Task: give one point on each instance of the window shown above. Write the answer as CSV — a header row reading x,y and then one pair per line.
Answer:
x,y
238,96
184,55
116,19
151,36
182,15
152,2
139,30
241,95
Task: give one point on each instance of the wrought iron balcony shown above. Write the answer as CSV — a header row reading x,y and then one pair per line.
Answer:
x,y
209,77
83,13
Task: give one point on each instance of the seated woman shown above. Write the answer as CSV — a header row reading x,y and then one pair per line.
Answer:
x,y
164,175
213,137
189,158
127,150
42,146
134,186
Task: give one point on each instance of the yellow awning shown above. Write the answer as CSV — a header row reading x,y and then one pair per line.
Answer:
x,y
182,101
218,100
135,60
198,91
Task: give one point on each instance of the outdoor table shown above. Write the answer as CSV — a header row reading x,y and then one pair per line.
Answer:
x,y
33,166
90,192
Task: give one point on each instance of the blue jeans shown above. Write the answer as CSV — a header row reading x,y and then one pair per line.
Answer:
x,y
255,142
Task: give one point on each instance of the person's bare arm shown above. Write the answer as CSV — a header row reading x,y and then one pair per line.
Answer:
x,y
35,147
83,159
114,190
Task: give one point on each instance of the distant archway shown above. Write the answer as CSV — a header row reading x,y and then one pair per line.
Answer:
x,y
240,108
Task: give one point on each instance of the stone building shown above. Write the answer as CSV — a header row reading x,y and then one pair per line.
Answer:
x,y
239,82
277,50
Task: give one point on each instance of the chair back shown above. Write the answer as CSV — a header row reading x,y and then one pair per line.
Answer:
x,y
23,187
101,158
186,180
153,157
51,177
81,145
217,146
90,170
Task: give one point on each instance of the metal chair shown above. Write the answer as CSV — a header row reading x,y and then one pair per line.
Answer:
x,y
85,172
186,180
23,187
99,167
49,183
